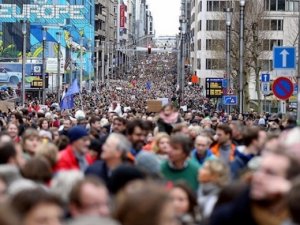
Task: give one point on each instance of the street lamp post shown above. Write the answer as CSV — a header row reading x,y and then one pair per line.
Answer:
x,y
228,12
24,32
71,61
58,64
81,63
90,75
102,62
97,63
241,69
44,33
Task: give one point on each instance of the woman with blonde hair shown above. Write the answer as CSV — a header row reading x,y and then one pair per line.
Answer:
x,y
213,176
49,151
30,141
161,145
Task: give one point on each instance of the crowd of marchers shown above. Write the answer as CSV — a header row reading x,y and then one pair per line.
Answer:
x,y
106,165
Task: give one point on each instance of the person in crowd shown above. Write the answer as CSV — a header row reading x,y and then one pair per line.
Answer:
x,y
114,153
30,141
237,128
168,117
154,205
264,202
11,154
75,155
37,169
67,124
213,176
55,133
89,197
13,131
201,152
37,207
161,145
119,125
293,198
179,167
95,127
136,134
224,148
49,151
273,123
44,124
185,203
254,142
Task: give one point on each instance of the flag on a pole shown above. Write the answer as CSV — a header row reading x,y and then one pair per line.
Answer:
x,y
67,101
148,85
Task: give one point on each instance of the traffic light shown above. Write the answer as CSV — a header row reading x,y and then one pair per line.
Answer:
x,y
149,49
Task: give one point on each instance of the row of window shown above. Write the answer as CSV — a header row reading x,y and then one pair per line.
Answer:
x,y
220,64
219,25
269,5
217,44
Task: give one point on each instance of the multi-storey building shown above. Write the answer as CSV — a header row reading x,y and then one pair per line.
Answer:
x,y
277,27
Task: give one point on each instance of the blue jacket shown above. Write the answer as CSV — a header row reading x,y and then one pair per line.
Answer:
x,y
208,156
239,163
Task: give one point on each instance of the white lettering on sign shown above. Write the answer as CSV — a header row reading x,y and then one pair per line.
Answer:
x,y
42,11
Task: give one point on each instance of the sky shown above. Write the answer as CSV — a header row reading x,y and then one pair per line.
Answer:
x,y
165,15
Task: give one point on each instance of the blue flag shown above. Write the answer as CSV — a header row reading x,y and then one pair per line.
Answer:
x,y
68,99
148,85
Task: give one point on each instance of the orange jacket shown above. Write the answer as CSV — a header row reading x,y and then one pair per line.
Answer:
x,y
216,151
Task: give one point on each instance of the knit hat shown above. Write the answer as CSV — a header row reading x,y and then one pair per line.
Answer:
x,y
148,162
76,133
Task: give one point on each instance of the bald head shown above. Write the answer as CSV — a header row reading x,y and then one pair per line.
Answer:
x,y
202,143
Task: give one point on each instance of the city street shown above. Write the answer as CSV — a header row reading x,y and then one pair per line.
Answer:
x,y
145,112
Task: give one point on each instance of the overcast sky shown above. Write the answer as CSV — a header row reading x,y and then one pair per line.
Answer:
x,y
165,16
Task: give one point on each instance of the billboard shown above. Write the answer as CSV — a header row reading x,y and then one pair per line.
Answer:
x,y
68,22
11,73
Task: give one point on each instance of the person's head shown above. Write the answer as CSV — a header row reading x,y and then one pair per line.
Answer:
x,y
37,207
161,143
44,124
144,203
49,151
272,179
7,153
55,133
12,130
37,169
183,199
89,197
237,128
119,125
67,124
115,148
181,146
251,137
202,143
79,139
136,133
224,134
30,141
214,172
95,123
167,110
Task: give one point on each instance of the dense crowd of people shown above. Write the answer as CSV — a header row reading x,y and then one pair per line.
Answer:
x,y
111,161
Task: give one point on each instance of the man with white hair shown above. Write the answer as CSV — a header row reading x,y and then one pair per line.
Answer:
x,y
114,152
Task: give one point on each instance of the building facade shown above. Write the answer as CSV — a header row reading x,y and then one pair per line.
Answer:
x,y
278,26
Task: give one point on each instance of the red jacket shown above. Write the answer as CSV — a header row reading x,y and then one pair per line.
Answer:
x,y
68,161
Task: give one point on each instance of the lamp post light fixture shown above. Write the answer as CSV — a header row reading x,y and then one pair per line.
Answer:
x,y
58,64
241,56
97,77
228,14
24,32
44,33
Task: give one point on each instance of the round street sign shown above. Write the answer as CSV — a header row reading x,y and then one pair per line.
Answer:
x,y
283,88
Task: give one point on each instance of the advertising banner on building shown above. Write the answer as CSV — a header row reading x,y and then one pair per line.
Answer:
x,y
11,74
122,15
63,23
